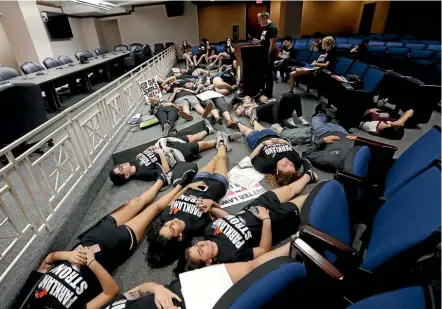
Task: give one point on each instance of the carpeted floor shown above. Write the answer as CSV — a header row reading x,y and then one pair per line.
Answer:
x,y
136,271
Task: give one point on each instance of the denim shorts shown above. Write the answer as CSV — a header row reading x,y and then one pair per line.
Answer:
x,y
255,137
214,176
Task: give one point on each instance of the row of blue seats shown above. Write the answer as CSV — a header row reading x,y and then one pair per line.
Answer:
x,y
407,194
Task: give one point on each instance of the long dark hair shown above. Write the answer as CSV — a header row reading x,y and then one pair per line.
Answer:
x,y
163,251
185,46
185,264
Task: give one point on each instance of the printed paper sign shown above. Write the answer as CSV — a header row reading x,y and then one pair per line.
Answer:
x,y
237,194
151,89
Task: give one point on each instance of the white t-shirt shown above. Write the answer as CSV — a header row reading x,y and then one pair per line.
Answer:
x,y
369,126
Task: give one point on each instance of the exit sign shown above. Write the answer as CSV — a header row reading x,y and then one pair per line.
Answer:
x,y
258,1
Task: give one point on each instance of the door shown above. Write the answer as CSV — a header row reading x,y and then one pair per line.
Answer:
x,y
367,18
252,10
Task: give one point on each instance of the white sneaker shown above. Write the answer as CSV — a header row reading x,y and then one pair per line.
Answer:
x,y
303,121
276,127
291,121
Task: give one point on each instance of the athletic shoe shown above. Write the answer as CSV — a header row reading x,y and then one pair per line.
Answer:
x,y
234,136
235,87
223,68
219,121
277,128
208,126
183,173
303,121
207,110
232,124
223,139
253,117
165,177
308,169
166,129
173,132
319,109
185,116
289,123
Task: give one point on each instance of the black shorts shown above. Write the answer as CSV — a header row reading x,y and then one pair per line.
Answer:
x,y
216,188
117,243
284,216
190,151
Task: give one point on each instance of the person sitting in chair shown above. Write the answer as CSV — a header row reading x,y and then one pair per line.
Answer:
x,y
201,54
228,54
283,60
169,151
186,49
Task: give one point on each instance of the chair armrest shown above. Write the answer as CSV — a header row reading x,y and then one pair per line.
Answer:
x,y
299,247
343,176
347,86
328,242
326,72
361,141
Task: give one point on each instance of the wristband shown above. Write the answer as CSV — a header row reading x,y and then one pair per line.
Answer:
x,y
90,262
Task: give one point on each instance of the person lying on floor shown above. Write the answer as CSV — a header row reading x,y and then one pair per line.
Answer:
x,y
167,152
81,278
383,124
270,218
185,98
274,156
167,114
183,219
272,110
221,108
151,295
331,143
224,82
324,61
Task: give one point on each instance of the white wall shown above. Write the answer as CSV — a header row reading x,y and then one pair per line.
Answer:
x,y
111,33
151,25
7,59
89,33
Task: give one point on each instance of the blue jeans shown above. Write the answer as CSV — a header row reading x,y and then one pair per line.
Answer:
x,y
320,126
215,176
255,136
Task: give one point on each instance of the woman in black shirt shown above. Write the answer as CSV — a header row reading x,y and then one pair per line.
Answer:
x,y
202,53
81,278
274,156
228,54
186,49
184,219
324,61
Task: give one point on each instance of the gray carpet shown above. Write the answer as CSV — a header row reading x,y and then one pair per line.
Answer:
x,y
136,271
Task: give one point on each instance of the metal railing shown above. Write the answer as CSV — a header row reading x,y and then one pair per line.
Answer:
x,y
33,187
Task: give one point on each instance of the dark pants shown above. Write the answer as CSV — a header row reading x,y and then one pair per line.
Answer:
x,y
283,68
268,80
219,103
165,114
275,112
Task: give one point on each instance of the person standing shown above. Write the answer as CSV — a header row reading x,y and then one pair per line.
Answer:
x,y
268,40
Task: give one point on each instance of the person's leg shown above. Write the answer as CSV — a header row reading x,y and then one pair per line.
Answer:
x,y
299,201
140,223
264,112
195,60
162,117
401,121
196,137
205,145
209,167
172,117
294,74
320,126
244,130
222,91
204,111
220,84
287,193
269,79
129,210
185,113
257,126
221,162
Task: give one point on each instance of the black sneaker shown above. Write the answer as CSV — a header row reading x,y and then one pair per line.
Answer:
x,y
183,173
319,109
308,169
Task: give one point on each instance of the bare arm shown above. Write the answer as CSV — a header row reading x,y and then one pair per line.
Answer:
x,y
163,296
168,80
108,284
322,65
272,45
168,199
256,151
218,213
163,159
265,245
172,97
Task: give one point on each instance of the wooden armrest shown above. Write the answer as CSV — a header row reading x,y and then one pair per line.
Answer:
x,y
310,254
343,176
371,143
330,243
347,86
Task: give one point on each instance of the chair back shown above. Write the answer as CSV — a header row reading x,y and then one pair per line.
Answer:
x,y
342,65
79,55
121,48
137,46
354,41
334,221
397,52
7,73
169,44
361,161
358,68
413,161
101,51
146,51
52,62
158,47
65,59
376,43
313,56
436,48
406,298
430,42
406,219
414,46
394,44
420,54
31,67
303,55
411,42
300,46
377,50
341,41
371,78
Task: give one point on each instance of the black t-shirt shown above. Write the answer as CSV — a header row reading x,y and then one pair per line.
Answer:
x,y
266,160
185,208
290,52
202,49
270,31
228,50
236,236
66,286
327,56
145,164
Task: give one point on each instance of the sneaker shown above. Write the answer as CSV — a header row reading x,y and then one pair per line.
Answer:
x,y
277,128
183,173
173,132
234,136
219,121
303,121
223,139
165,177
208,126
223,68
166,129
289,123
235,87
232,124
308,169
185,116
319,109
253,117
207,110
